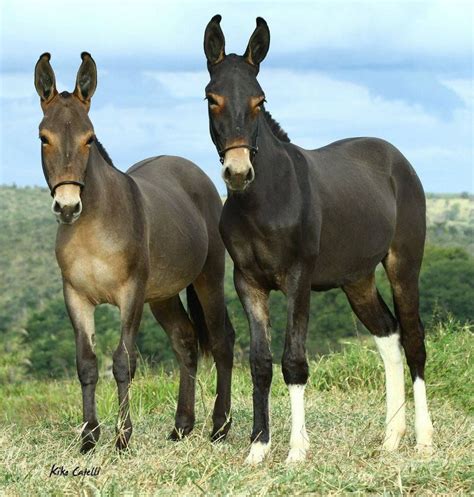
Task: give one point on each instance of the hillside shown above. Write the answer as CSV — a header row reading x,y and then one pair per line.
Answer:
x,y
40,425
32,314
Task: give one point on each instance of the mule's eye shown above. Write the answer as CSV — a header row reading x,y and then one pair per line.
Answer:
x,y
90,140
260,104
44,140
212,101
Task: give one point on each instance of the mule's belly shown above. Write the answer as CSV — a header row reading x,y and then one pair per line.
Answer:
x,y
352,249
98,277
336,273
171,273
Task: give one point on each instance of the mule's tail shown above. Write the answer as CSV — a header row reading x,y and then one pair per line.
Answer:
x,y
197,317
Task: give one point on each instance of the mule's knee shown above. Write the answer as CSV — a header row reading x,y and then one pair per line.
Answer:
x,y
87,371
295,368
124,365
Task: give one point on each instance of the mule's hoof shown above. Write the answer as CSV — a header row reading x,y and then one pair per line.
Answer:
x,y
90,436
219,434
123,439
87,445
295,456
122,443
178,434
257,454
392,440
425,450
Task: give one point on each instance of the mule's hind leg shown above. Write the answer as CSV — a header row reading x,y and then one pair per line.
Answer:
x,y
81,312
370,308
403,275
209,287
175,321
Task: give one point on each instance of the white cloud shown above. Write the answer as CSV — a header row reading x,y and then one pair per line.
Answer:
x,y
185,84
464,88
314,108
383,31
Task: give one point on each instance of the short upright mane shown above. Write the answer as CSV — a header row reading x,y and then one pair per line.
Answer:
x,y
277,130
104,153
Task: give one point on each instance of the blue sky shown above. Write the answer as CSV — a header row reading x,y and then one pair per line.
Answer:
x,y
401,71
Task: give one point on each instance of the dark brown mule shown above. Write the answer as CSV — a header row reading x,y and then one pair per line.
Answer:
x,y
299,220
126,239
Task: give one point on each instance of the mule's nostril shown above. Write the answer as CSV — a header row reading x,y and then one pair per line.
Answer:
x,y
56,208
250,175
77,208
227,174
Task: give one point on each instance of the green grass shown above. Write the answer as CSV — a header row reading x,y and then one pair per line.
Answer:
x,y
40,426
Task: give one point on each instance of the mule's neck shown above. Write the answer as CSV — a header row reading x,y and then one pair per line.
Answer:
x,y
274,173
104,186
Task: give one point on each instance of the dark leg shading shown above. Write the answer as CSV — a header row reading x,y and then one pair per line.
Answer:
x,y
175,321
255,302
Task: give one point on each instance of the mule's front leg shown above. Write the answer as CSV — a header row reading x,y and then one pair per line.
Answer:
x,y
125,358
255,302
81,312
294,363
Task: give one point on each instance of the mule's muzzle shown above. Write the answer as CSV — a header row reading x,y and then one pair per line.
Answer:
x,y
67,214
238,181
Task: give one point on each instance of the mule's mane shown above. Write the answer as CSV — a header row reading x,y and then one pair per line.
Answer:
x,y
277,130
103,152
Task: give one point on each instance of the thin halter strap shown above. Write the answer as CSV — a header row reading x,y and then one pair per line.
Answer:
x,y
253,151
80,184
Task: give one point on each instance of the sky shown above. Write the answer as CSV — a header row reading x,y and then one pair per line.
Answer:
x,y
401,71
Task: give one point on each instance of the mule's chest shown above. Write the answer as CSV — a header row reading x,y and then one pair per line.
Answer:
x,y
95,268
263,257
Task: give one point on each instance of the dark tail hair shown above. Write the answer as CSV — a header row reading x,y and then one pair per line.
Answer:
x,y
197,317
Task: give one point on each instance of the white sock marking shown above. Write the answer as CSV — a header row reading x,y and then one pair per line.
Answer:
x,y
423,426
258,451
390,350
299,441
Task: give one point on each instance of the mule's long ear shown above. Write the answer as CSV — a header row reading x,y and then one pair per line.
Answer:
x,y
214,41
45,81
86,81
259,43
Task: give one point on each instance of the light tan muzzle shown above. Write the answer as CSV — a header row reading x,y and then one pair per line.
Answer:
x,y
237,170
67,205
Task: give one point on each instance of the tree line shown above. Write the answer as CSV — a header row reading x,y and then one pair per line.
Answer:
x,y
38,339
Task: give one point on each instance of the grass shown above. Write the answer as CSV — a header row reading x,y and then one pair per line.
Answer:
x,y
40,426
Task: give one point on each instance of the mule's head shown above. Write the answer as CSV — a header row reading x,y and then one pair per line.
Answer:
x,y
235,99
66,134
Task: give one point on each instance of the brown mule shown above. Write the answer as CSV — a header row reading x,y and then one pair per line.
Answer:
x,y
299,220
127,239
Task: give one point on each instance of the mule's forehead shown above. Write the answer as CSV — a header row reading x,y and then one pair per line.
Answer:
x,y
66,112
234,77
